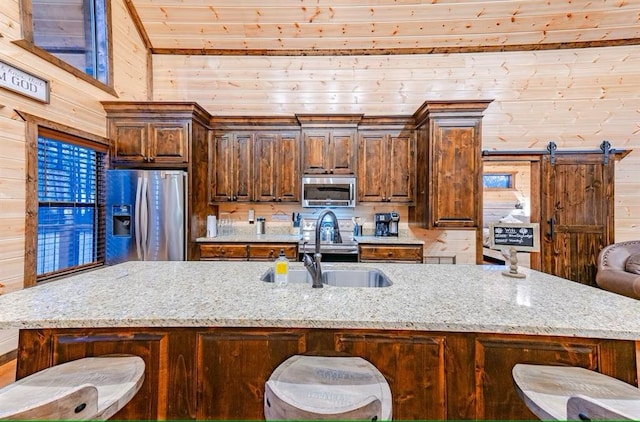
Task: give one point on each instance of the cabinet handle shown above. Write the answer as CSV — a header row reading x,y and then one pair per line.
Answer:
x,y
389,253
229,198
273,198
222,251
152,158
235,197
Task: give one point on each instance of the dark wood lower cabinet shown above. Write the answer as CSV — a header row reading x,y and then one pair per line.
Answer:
x,y
219,373
233,367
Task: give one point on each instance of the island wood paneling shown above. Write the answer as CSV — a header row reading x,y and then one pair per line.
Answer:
x,y
432,375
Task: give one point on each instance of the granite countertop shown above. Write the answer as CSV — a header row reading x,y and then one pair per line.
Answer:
x,y
460,298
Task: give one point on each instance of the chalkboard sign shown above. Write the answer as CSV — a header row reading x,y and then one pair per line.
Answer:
x,y
521,236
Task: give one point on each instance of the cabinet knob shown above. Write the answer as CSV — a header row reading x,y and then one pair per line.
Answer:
x,y
390,253
222,251
235,197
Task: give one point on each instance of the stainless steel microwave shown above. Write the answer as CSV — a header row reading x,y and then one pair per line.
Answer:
x,y
329,191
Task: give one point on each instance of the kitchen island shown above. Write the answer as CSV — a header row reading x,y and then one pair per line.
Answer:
x,y
444,336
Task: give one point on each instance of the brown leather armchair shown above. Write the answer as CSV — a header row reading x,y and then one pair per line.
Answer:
x,y
611,273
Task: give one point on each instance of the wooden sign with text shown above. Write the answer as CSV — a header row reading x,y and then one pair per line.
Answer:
x,y
23,83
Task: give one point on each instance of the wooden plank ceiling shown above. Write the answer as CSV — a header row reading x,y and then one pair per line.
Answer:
x,y
316,27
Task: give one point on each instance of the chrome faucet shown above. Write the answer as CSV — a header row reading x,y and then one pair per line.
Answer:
x,y
313,264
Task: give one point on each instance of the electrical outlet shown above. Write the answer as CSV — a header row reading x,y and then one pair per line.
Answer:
x,y
251,216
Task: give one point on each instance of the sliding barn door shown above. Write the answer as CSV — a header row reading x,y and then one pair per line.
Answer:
x,y
577,214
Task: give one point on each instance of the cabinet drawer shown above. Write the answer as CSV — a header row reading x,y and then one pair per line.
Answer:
x,y
270,251
404,253
224,251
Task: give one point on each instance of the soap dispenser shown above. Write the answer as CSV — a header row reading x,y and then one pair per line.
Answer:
x,y
282,270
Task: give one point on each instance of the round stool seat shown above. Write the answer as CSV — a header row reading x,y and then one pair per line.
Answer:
x,y
321,387
564,392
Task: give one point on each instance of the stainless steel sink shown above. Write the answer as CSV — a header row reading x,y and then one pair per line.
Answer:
x,y
369,277
295,276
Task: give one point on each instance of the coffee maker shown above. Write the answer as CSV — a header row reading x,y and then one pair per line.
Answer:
x,y
387,223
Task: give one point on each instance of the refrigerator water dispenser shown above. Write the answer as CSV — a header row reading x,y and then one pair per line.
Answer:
x,y
121,220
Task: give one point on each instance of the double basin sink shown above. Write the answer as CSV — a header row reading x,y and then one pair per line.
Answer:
x,y
369,277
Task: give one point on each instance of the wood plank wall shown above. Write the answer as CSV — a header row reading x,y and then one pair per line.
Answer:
x,y
73,103
577,98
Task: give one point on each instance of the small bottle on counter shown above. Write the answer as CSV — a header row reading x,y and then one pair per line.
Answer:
x,y
282,270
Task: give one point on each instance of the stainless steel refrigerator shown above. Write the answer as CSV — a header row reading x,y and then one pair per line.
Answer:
x,y
146,215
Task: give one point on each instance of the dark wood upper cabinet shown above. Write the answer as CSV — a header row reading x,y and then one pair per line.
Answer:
x,y
329,143
327,151
230,167
386,166
276,167
449,172
150,135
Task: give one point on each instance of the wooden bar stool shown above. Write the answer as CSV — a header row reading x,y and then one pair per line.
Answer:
x,y
566,392
89,388
327,388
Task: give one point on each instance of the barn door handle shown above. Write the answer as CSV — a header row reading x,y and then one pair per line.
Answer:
x,y
552,232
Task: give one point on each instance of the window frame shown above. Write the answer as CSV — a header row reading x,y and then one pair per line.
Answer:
x,y
27,43
33,127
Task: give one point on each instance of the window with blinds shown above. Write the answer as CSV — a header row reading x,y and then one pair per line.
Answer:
x,y
70,214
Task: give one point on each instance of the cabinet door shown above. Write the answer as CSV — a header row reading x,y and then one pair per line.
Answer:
x,y
315,159
233,368
220,167
341,151
169,142
288,173
223,252
455,173
372,165
390,253
231,172
129,140
148,401
241,167
266,165
495,358
401,168
270,251
414,366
